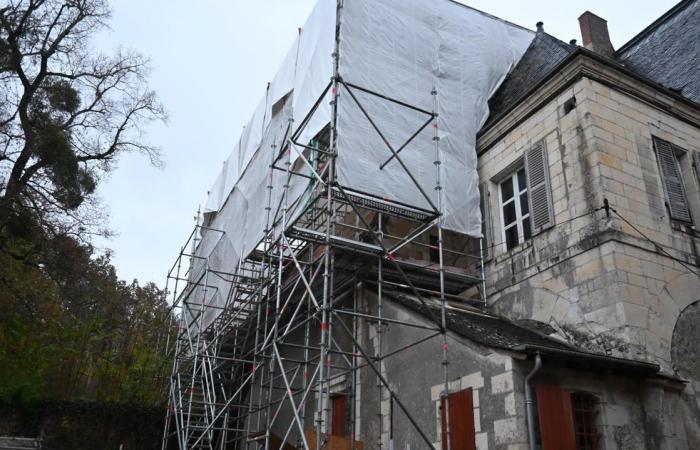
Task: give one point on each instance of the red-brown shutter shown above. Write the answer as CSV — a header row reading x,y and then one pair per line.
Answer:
x,y
556,418
338,415
461,421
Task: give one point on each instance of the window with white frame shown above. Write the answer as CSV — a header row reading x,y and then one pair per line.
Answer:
x,y
515,209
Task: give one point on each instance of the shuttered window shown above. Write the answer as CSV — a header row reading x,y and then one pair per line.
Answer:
x,y
567,420
537,170
670,171
556,418
462,432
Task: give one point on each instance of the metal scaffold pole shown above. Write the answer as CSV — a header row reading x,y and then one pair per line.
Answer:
x,y
273,344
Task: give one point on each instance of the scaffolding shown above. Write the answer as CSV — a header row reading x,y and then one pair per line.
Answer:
x,y
260,370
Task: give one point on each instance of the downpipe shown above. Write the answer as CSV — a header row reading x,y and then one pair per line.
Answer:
x,y
530,404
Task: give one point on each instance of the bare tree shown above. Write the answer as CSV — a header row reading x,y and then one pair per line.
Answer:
x,y
66,110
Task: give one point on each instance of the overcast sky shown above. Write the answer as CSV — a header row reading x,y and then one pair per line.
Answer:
x,y
211,62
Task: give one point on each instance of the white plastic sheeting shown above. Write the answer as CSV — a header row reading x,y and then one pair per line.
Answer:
x,y
305,71
401,49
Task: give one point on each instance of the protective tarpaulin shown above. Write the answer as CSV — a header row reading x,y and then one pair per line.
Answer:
x,y
402,49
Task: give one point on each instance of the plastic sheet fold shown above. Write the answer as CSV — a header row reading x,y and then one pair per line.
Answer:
x,y
402,49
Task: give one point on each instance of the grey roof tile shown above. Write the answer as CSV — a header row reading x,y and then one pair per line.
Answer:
x,y
486,329
668,51
544,54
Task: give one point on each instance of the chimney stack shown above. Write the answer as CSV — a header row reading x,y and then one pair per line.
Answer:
x,y
594,31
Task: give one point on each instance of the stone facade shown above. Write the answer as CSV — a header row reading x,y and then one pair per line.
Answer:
x,y
613,283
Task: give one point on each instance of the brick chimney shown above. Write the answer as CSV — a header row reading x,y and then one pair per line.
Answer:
x,y
594,31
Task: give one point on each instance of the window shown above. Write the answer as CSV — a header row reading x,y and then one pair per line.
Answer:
x,y
585,408
526,199
515,209
462,431
668,157
567,419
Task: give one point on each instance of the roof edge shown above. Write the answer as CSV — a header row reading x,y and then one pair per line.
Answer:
x,y
457,2
583,52
622,363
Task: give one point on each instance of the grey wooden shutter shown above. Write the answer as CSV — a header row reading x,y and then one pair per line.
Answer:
x,y
670,171
538,188
485,207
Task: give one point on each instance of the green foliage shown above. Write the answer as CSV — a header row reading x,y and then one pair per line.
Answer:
x,y
70,329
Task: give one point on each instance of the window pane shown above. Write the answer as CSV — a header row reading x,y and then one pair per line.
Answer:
x,y
526,229
524,205
511,237
509,214
522,183
507,189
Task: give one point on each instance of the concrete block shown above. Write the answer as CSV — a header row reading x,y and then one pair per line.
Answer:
x,y
436,392
635,315
474,381
608,318
506,431
482,441
684,290
510,404
385,407
502,383
477,420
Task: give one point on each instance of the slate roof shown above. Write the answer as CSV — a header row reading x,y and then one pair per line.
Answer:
x,y
486,329
668,51
500,333
544,54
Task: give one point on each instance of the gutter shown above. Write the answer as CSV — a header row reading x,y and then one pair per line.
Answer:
x,y
607,362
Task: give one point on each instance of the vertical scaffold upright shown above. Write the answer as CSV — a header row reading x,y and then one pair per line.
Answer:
x,y
262,369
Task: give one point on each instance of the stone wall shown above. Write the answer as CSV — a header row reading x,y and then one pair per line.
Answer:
x,y
614,284
633,413
417,377
595,279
